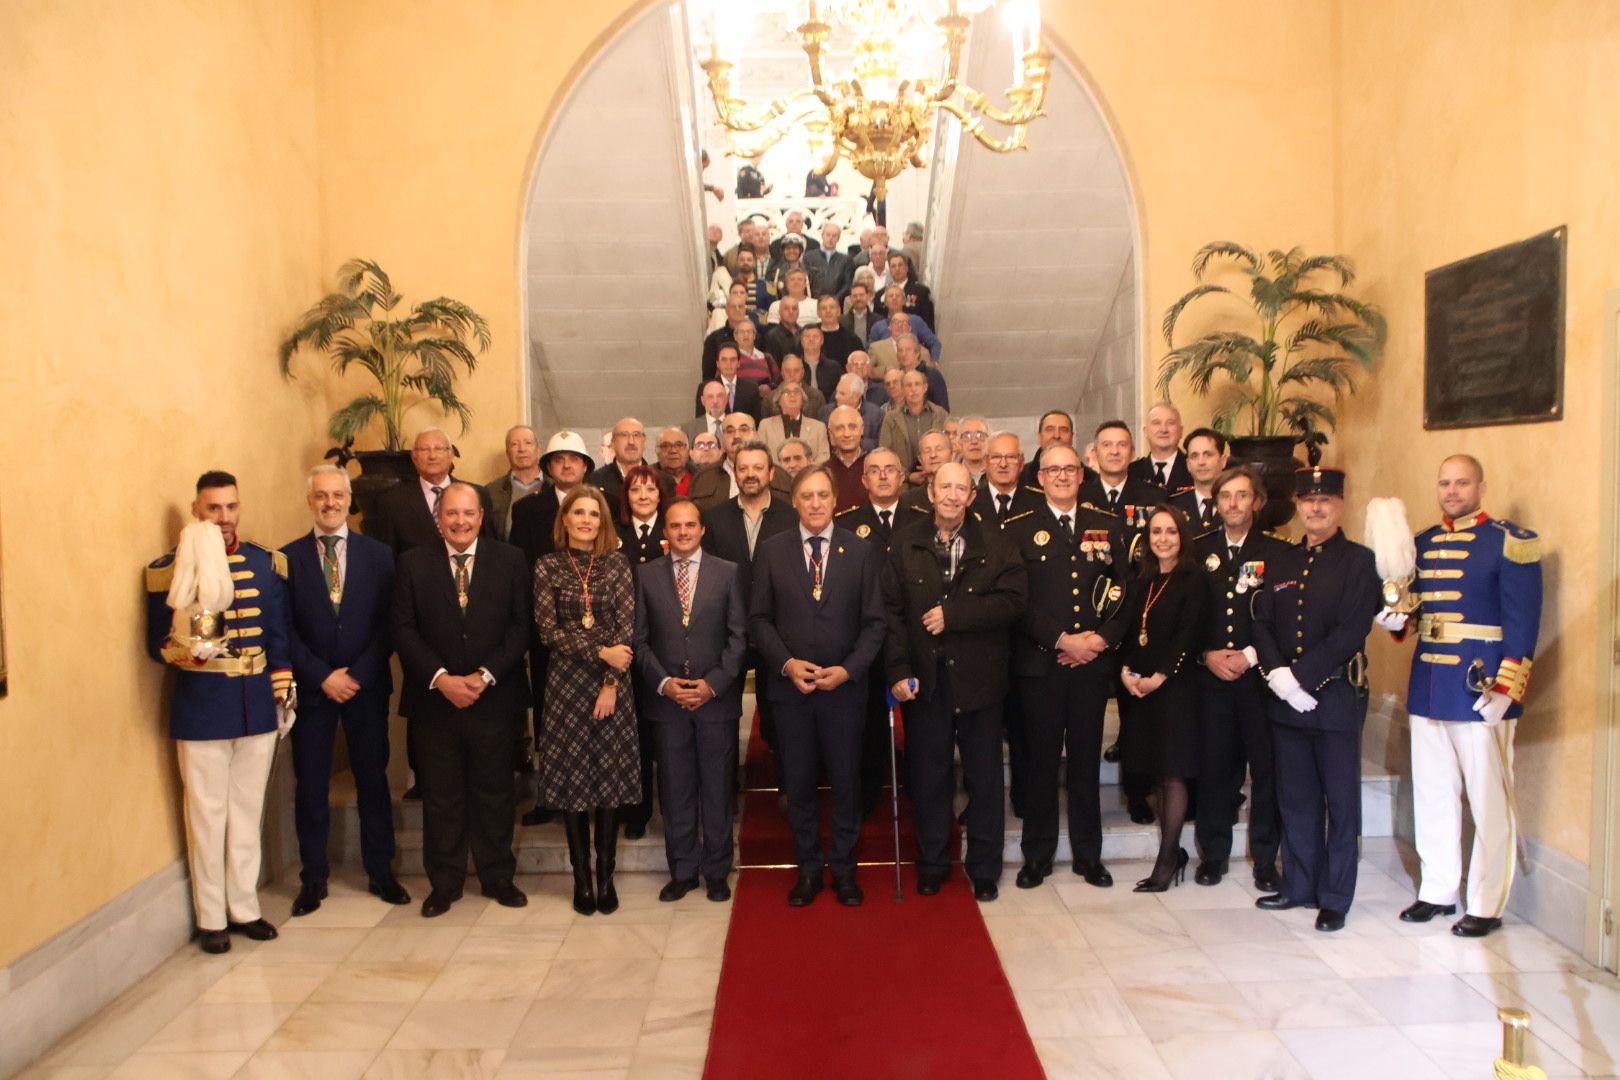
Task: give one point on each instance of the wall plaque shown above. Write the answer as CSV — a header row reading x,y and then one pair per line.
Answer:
x,y
1494,336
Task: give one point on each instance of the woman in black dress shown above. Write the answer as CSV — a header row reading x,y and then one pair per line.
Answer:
x,y
641,540
1158,659
590,764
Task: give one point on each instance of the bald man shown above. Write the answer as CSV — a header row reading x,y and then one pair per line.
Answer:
x,y
1165,463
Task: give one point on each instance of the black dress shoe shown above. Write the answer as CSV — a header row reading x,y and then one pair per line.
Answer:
x,y
717,890
984,890
506,894
804,891
537,815
437,903
848,892
1474,926
412,794
1266,879
1423,911
1210,873
929,884
1112,753
674,889
257,930
1141,813
388,890
1278,902
213,941
1095,874
1031,874
309,898
1328,920
635,830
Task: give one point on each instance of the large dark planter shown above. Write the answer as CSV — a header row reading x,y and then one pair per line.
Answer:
x,y
1273,455
380,470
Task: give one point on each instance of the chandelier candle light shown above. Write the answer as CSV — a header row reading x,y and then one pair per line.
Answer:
x,y
880,117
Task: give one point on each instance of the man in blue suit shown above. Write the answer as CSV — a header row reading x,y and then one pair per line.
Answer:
x,y
816,616
691,633
340,588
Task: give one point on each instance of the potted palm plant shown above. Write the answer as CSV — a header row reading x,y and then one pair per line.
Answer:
x,y
1293,357
415,357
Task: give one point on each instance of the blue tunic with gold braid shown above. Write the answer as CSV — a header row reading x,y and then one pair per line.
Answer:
x,y
228,697
1479,583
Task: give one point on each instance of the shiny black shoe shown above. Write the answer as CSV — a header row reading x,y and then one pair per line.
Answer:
x,y
1095,874
1210,873
929,884
804,891
507,894
1278,902
1032,874
1328,920
717,890
437,903
984,890
1474,926
1423,911
1266,879
214,941
309,898
1111,754
257,930
1174,877
537,815
675,889
388,890
848,892
1141,813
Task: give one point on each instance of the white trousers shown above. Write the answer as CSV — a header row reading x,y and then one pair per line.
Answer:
x,y
1450,758
224,800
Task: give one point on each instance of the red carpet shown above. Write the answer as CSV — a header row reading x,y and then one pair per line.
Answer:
x,y
885,990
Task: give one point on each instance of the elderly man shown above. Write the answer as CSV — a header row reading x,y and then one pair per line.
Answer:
x,y
706,451
831,271
718,483
904,427
909,356
733,316
919,301
793,374
226,706
848,459
933,450
1206,459
1002,497
522,478
837,343
973,447
405,515
674,458
752,361
1164,465
782,337
793,456
629,442
860,363
712,399
1056,429
953,587
819,371
850,393
742,394
860,318
790,422
900,321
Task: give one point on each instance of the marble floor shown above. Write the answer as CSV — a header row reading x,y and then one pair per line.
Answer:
x,y
1192,983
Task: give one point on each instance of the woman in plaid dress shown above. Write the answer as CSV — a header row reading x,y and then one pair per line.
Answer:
x,y
584,606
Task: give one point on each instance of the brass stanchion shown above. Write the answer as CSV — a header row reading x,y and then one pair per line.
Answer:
x,y
1511,1066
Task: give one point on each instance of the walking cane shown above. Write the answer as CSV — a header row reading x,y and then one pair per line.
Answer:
x,y
894,787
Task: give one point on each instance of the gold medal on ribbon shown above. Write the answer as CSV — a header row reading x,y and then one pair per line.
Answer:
x,y
336,595
587,621
815,593
462,600
1142,638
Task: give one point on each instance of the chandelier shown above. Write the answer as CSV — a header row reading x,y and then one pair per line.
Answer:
x,y
879,117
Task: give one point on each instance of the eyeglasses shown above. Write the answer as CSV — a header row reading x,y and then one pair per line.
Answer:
x,y
671,446
1003,459
1061,470
971,436
882,470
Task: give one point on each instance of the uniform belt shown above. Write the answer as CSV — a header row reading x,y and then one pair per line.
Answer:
x,y
1454,633
250,661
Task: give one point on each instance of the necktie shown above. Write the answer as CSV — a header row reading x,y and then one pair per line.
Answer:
x,y
885,516
731,397
1161,478
1231,552
645,529
815,566
329,563
1113,500
683,588
461,579
438,493
1006,504
1068,532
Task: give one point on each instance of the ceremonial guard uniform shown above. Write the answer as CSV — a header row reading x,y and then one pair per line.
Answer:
x,y
1479,584
1076,584
1311,619
223,718
1234,729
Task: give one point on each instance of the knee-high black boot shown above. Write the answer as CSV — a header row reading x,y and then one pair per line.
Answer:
x,y
577,825
607,849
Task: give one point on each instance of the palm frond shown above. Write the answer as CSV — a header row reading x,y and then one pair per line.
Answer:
x,y
1227,351
363,278
319,325
1285,263
1334,371
1338,264
1224,249
1306,415
347,352
1357,340
352,419
1269,295
440,352
453,317
1225,418
1174,313
447,400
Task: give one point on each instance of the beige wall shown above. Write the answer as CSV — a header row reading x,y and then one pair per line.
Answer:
x,y
1465,127
159,209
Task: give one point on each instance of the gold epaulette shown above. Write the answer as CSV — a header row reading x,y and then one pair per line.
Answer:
x,y
1278,534
1101,510
848,510
1016,517
1036,490
1206,532
1518,545
278,561
923,508
160,573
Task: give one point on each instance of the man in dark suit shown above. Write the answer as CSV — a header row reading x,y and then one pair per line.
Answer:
x,y
461,625
629,443
861,316
831,271
1206,458
340,591
816,616
742,395
691,633
919,300
820,370
1164,465
1056,426
1001,496
952,588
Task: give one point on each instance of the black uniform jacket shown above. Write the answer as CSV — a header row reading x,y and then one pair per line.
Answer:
x,y
1072,587
1235,584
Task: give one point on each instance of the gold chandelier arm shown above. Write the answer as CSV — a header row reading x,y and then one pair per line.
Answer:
x,y
784,111
975,127
1028,103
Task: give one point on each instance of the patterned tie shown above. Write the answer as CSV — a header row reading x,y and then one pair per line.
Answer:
x,y
1006,505
683,588
461,579
438,493
329,564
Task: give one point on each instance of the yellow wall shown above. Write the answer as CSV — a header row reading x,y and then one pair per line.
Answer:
x,y
160,215
1467,126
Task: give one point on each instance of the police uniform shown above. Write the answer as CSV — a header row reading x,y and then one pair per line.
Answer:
x,y
1176,473
1234,729
223,718
1075,585
1186,500
1311,619
1479,584
987,506
988,503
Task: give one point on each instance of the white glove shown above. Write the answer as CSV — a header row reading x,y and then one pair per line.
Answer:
x,y
1493,706
1300,701
1393,621
1283,682
285,717
204,650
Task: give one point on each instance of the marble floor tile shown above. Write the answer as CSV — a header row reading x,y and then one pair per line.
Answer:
x,y
1464,956
667,1063
1372,958
436,1065
340,1026
217,1065
1268,961
255,980
491,980
1036,967
1127,1057
1099,1009
1424,999
571,1027
678,978
1357,1053
464,912
1468,1051
350,911
43,1070
1039,931
232,1025
1231,1055
422,943
1308,1003
1164,1011
1585,1005
300,945
459,1025
1228,926
1530,950
376,980
502,943
695,936
532,1069
1228,894
1045,900
679,1023
307,1065
597,980
614,940
1178,965
1149,928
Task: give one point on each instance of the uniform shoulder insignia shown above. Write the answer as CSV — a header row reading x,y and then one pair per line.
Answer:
x,y
278,560
1278,534
1206,532
1181,490
1018,517
921,509
1519,544
160,573
849,510
1034,490
977,516
1093,506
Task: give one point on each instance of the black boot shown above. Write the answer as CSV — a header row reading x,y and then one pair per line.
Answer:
x,y
607,849
578,827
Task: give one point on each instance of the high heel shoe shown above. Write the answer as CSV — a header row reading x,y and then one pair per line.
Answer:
x,y
1175,877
